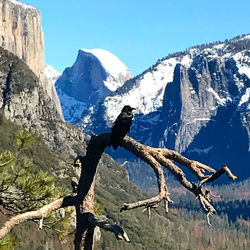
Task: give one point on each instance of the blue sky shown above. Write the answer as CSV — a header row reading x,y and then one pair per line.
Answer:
x,y
139,32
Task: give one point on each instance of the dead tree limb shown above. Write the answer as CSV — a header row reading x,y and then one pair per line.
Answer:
x,y
156,158
101,222
216,175
38,214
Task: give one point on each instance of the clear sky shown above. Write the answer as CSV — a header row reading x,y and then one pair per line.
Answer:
x,y
139,32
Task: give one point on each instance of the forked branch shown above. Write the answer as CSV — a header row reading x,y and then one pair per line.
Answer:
x,y
158,158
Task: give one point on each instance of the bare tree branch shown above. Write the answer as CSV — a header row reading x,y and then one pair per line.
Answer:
x,y
216,175
157,158
102,223
38,214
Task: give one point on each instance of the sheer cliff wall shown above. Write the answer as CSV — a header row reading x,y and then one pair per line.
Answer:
x,y
21,33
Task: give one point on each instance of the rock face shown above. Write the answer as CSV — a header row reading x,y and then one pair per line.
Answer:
x,y
52,75
25,101
195,97
95,74
195,102
21,33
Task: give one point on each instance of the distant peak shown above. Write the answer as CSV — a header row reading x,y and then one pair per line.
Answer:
x,y
112,64
51,73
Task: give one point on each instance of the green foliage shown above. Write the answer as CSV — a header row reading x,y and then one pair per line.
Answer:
x,y
7,243
23,187
98,209
61,222
24,139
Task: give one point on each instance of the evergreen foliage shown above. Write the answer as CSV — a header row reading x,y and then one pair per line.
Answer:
x,y
7,243
23,187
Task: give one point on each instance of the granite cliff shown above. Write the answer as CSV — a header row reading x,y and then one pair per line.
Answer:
x,y
21,33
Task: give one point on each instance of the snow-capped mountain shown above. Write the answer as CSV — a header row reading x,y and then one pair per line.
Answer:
x,y
146,91
51,73
196,102
95,74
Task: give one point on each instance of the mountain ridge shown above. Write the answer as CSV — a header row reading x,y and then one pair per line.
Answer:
x,y
179,98
94,75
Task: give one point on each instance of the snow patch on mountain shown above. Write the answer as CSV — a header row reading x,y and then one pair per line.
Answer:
x,y
148,92
242,62
221,101
73,109
245,98
51,73
112,65
201,151
198,120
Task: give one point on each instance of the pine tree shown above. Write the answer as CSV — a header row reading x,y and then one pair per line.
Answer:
x,y
23,187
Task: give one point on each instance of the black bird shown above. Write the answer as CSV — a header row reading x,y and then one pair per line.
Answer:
x,y
121,126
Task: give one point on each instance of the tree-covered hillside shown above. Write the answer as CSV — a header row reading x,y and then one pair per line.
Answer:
x,y
161,231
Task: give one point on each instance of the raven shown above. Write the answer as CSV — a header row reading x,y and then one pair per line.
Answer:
x,y
121,126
